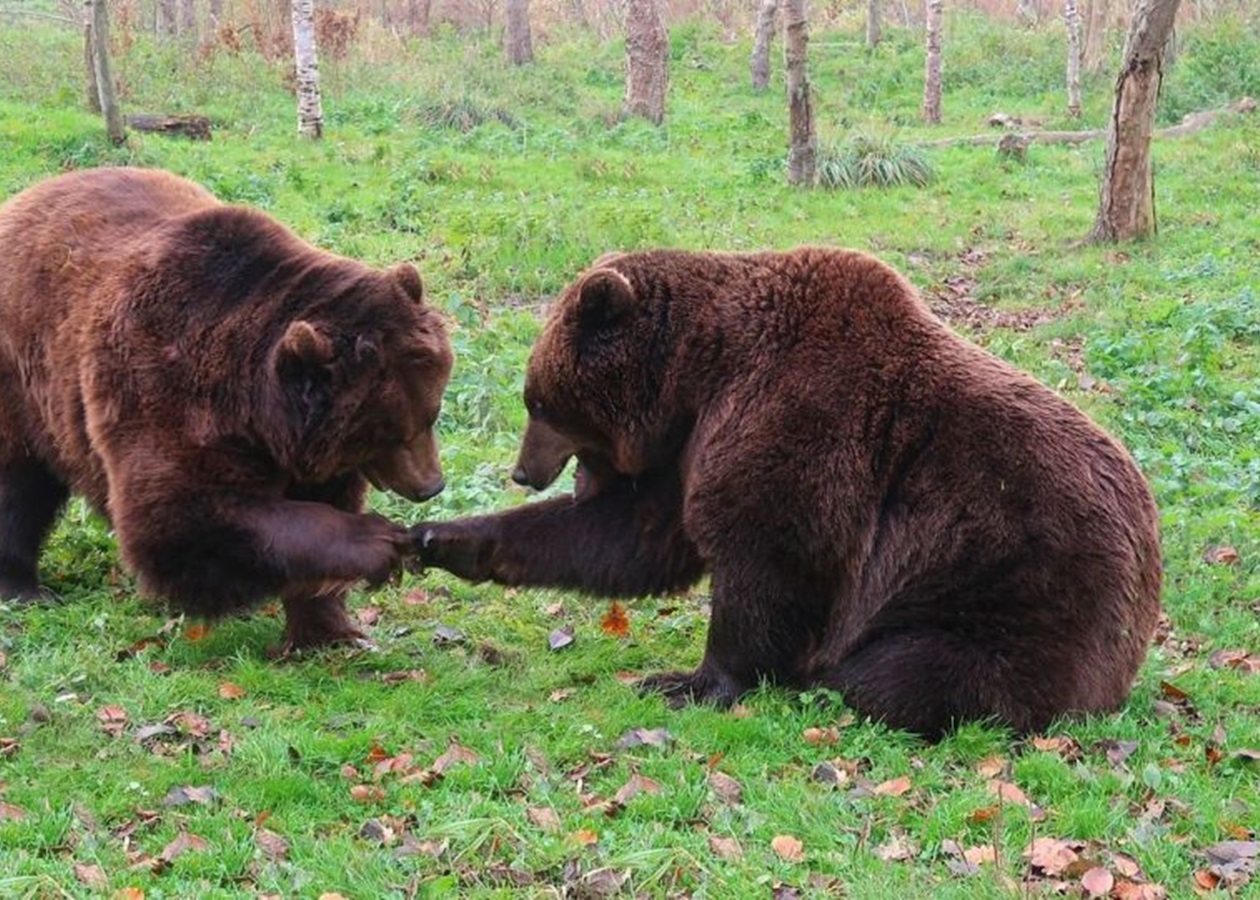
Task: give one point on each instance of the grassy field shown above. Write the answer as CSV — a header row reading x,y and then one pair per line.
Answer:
x,y
140,754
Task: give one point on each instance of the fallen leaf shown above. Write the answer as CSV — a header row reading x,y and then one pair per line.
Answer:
x,y
1206,880
190,723
412,846
1172,692
726,788
183,843
584,837
980,854
645,737
455,754
179,796
725,848
9,747
1051,855
197,631
91,875
368,615
818,736
444,634
829,773
1008,793
230,691
332,895
417,597
1221,556
378,832
1232,851
367,793
984,814
128,893
1117,751
404,675
560,638
273,845
1097,882
991,767
897,848
894,787
561,694
544,817
788,848
113,720
615,622
637,783
4,660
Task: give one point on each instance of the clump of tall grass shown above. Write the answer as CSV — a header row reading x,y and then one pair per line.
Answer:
x,y
873,161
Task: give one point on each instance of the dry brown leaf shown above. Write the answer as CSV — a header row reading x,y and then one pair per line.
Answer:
x,y
584,837
1097,882
632,787
332,895
991,767
561,694
455,754
197,631
1221,556
615,622
897,848
544,817
1051,855
818,736
368,615
894,787
113,719
128,893
376,753
273,845
367,793
979,855
984,814
231,691
1008,793
1206,880
726,788
788,848
725,848
183,843
91,875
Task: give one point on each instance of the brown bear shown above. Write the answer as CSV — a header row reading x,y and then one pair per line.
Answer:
x,y
885,509
221,390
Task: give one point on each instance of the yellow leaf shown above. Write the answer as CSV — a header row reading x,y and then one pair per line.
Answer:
x,y
230,691
790,849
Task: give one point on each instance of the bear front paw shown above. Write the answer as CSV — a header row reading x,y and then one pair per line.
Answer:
x,y
444,547
683,688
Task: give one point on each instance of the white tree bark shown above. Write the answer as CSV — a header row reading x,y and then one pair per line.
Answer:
x,y
114,126
1073,20
647,60
874,32
932,74
1126,208
310,107
520,46
1095,36
767,15
803,143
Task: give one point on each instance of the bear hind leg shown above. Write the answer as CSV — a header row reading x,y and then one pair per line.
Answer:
x,y
31,498
928,682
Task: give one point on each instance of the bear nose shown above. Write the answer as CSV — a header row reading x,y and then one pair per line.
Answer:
x,y
520,476
429,490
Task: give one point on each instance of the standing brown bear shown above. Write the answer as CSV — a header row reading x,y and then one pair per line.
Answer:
x,y
221,390
885,508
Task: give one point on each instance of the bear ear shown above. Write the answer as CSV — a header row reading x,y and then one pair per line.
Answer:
x,y
304,343
605,297
408,279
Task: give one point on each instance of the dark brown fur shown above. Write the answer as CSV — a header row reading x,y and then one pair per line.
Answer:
x,y
222,390
885,508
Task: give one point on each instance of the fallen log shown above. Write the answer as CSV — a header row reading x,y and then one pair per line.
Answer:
x,y
196,128
1191,123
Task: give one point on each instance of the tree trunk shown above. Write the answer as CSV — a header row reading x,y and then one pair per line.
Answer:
x,y
520,48
104,73
767,14
167,17
216,14
89,61
1027,12
1126,207
1095,37
310,108
188,20
932,75
418,15
803,145
1073,18
874,33
647,60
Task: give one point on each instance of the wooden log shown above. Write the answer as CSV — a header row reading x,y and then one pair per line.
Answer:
x,y
196,128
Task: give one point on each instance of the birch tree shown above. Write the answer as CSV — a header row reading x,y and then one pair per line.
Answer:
x,y
310,108
520,47
1126,208
647,60
103,70
874,33
1073,21
932,74
803,143
767,15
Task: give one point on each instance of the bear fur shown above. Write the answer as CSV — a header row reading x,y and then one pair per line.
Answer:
x,y
221,390
885,509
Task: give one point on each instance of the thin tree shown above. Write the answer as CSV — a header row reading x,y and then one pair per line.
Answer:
x,y
1126,207
932,74
767,14
1073,20
1095,36
647,60
803,144
89,60
114,126
310,108
520,48
874,33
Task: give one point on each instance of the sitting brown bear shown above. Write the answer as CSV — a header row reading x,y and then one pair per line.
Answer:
x,y
886,509
220,389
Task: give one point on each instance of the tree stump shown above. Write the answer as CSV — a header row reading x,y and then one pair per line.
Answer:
x,y
195,128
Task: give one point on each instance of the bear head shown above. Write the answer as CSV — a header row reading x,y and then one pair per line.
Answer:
x,y
602,383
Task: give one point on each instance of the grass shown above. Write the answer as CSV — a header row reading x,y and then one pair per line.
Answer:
x,y
501,184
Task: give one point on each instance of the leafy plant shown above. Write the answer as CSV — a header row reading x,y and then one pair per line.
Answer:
x,y
873,161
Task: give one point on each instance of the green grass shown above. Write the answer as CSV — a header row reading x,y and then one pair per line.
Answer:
x,y
501,184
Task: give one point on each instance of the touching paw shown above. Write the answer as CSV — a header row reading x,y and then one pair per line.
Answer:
x,y
683,688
